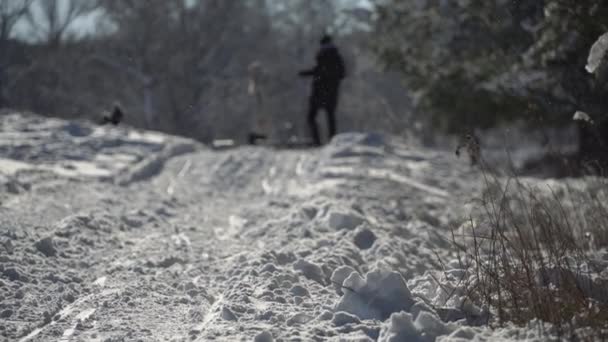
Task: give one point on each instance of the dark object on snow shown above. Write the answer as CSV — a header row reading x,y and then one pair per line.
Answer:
x,y
46,246
255,138
115,118
471,143
327,75
365,238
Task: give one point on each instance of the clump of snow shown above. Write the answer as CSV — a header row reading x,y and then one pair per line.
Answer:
x,y
300,291
420,307
46,246
343,318
339,275
425,328
377,296
400,328
310,270
264,336
597,54
431,326
534,331
582,116
325,316
228,315
269,268
299,319
364,238
339,219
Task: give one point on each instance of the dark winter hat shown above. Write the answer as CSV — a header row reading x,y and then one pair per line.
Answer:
x,y
326,39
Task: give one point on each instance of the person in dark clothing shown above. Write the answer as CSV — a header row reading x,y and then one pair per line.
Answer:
x,y
115,118
327,75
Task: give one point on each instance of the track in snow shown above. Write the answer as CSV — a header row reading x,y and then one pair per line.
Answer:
x,y
157,238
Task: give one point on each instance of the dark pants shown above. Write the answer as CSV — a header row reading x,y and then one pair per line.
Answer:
x,y
329,104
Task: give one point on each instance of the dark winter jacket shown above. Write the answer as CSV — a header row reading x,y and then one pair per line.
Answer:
x,y
328,72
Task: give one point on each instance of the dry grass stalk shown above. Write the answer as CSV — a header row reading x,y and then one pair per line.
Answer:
x,y
529,251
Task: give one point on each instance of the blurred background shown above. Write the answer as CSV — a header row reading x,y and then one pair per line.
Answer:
x,y
181,66
415,68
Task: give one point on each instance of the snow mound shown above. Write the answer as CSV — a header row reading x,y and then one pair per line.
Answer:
x,y
377,296
167,241
402,326
80,149
152,165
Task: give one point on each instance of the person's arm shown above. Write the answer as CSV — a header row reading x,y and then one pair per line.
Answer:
x,y
314,71
308,72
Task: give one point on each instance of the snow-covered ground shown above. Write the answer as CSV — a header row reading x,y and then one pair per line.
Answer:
x,y
113,234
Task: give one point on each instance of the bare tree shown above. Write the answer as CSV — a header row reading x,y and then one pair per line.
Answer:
x,y
10,13
181,66
175,52
50,20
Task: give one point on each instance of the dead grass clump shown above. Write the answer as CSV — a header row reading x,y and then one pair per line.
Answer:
x,y
532,248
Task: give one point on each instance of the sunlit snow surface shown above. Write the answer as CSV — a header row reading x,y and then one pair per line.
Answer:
x,y
112,234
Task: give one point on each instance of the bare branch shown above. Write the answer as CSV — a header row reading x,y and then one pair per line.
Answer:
x,y
10,13
51,19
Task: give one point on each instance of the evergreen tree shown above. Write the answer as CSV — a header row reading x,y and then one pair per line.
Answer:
x,y
476,63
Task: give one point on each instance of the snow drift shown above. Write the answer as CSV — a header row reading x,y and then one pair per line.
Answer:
x,y
112,234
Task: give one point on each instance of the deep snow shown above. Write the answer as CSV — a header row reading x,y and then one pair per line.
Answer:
x,y
113,234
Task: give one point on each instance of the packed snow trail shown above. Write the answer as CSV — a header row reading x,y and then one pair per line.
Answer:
x,y
119,235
